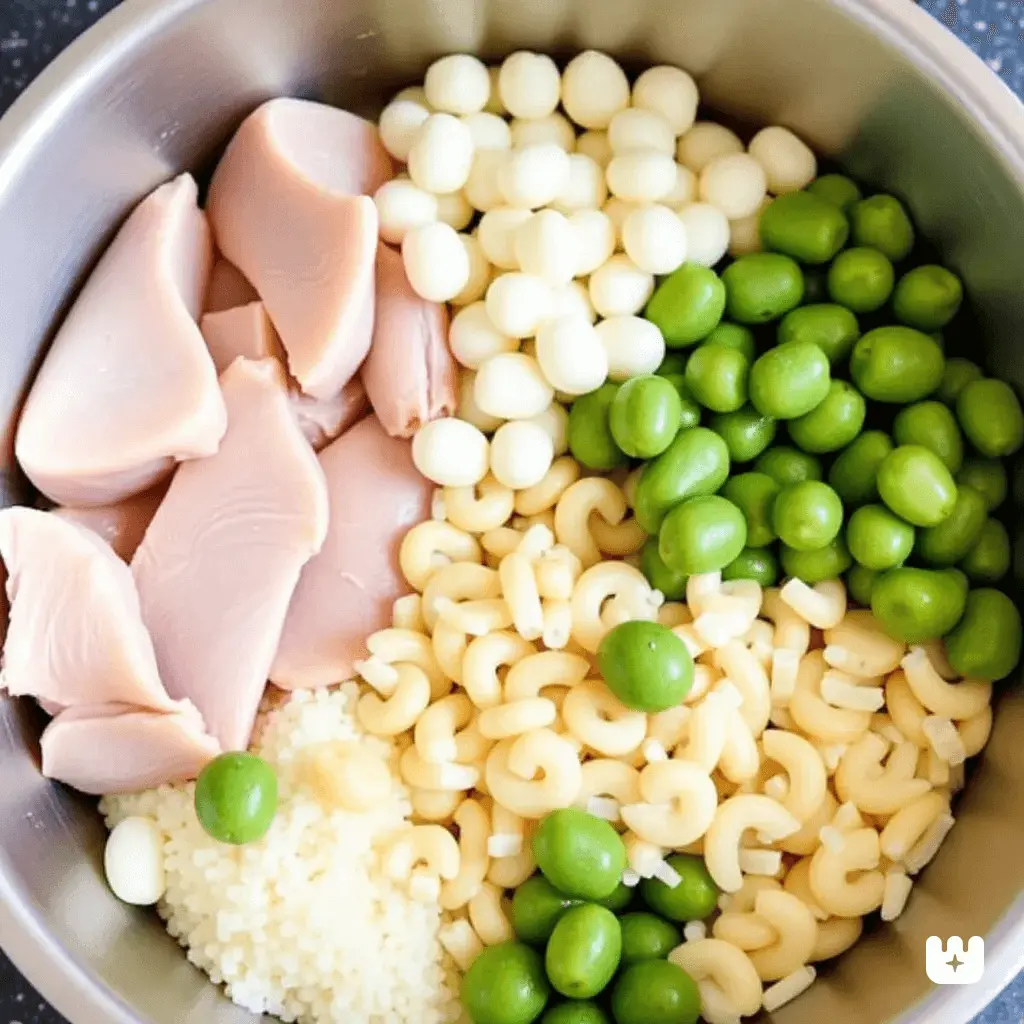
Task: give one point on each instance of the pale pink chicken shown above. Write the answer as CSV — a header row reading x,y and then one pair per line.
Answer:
x,y
289,207
128,387
227,288
75,634
410,374
347,591
220,561
122,525
247,331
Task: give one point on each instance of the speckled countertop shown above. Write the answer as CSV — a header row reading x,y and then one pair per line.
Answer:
x,y
32,32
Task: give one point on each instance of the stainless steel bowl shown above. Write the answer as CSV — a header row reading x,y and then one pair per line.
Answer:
x,y
160,84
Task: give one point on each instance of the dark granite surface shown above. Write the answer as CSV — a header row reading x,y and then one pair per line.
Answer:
x,y
32,32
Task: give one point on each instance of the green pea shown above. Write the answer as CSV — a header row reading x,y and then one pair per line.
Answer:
x,y
655,992
861,280
807,516
814,566
931,425
689,410
789,380
837,189
762,287
659,575
957,374
580,855
915,483
896,364
589,431
717,377
702,535
695,463
645,665
986,643
927,298
536,907
759,564
236,798
619,900
687,305
804,226
989,560
733,336
644,416
584,951
954,537
788,466
877,539
854,474
833,423
988,478
647,937
754,495
576,1011
882,223
693,899
673,363
505,985
917,605
991,416
831,327
860,582
745,431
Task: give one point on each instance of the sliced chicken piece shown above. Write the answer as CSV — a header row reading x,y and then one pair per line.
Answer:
x,y
122,525
410,374
220,561
227,288
289,208
128,386
346,592
75,634
119,749
247,331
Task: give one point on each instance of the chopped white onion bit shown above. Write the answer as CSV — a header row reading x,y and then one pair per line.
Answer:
x,y
761,862
630,879
842,691
895,894
792,985
603,807
944,739
921,855
666,874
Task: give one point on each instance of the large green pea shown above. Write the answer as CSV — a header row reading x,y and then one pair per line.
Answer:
x,y
789,380
646,936
674,362
991,416
860,582
882,223
931,425
837,189
536,907
807,516
955,377
580,855
659,575
831,327
733,336
745,431
804,226
833,423
762,287
689,409
687,305
236,798
917,605
915,483
954,537
584,951
695,463
576,1011
927,298
788,465
861,280
589,430
814,566
717,377
505,985
877,539
854,474
988,478
644,416
758,564
896,364
646,666
986,643
754,495
989,560
693,899
702,535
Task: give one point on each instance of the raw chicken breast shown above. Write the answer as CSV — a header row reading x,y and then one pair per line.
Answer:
x,y
128,387
321,420
122,525
118,749
410,374
346,592
219,563
75,634
227,288
288,207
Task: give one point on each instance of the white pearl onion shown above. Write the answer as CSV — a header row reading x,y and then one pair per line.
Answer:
x,y
745,234
496,234
573,300
788,161
547,245
531,177
555,128
402,206
641,129
620,287
511,385
454,210
641,175
482,184
469,411
488,130
442,155
684,190
413,94
457,84
654,239
479,273
399,124
554,421
518,303
707,233
595,240
133,861
529,84
736,184
585,188
669,91
521,454
451,452
474,339
704,142
435,261
617,210
595,144
632,345
594,89
571,355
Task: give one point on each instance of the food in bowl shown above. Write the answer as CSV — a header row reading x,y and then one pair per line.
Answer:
x,y
544,737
